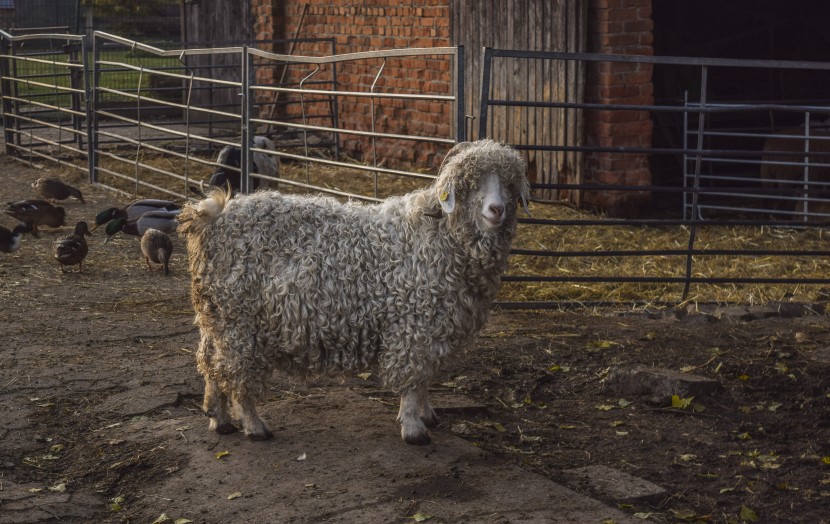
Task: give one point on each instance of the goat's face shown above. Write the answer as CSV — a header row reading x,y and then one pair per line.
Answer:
x,y
492,202
482,184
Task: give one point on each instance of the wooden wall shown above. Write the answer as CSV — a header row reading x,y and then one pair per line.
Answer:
x,y
530,25
215,23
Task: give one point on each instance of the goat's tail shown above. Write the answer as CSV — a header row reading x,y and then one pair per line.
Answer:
x,y
196,216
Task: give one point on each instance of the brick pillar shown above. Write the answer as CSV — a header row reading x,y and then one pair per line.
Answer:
x,y
619,27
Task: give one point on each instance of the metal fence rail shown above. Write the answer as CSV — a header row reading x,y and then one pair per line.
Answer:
x,y
145,120
44,79
709,166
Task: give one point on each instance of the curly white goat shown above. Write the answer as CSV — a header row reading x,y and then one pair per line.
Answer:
x,y
310,285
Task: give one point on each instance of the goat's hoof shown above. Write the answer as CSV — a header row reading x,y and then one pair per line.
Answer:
x,y
265,435
418,439
226,429
430,421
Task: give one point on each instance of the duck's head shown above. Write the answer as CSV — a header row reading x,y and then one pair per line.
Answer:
x,y
113,227
105,216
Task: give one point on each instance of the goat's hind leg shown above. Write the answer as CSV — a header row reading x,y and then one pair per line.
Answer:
x,y
425,409
253,426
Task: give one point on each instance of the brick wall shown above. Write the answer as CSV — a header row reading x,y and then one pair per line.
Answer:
x,y
614,26
619,27
364,25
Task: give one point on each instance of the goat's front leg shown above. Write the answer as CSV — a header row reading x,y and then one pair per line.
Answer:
x,y
216,407
413,429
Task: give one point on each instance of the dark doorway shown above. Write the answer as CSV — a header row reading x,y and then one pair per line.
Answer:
x,y
743,29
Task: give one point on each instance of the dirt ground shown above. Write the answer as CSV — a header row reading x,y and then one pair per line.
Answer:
x,y
97,371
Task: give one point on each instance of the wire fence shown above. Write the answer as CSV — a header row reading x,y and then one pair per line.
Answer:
x,y
751,179
157,133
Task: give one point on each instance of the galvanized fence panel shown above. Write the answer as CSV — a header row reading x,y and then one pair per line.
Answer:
x,y
44,83
308,93
161,114
157,133
684,269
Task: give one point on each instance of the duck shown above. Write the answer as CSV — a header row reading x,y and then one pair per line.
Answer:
x,y
157,247
36,213
10,240
73,249
54,189
134,210
164,221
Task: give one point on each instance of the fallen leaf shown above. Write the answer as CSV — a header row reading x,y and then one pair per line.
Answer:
x,y
602,344
623,403
605,407
420,517
301,457
60,487
35,490
743,377
235,495
747,515
162,518
364,376
182,521
687,457
617,423
680,403
825,461
222,454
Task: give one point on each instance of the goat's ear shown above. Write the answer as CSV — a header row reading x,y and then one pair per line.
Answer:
x,y
446,197
446,192
456,149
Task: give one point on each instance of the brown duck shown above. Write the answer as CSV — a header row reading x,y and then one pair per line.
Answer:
x,y
37,213
53,189
73,249
157,248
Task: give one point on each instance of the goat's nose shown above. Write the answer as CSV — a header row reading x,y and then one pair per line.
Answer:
x,y
498,210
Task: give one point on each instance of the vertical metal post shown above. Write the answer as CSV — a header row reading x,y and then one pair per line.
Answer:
x,y
334,103
486,66
460,99
5,90
704,74
88,107
76,83
96,105
247,135
686,204
805,195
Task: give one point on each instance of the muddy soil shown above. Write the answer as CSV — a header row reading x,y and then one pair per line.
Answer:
x,y
89,358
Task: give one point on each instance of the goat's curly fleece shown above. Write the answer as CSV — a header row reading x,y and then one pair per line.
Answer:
x,y
308,284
